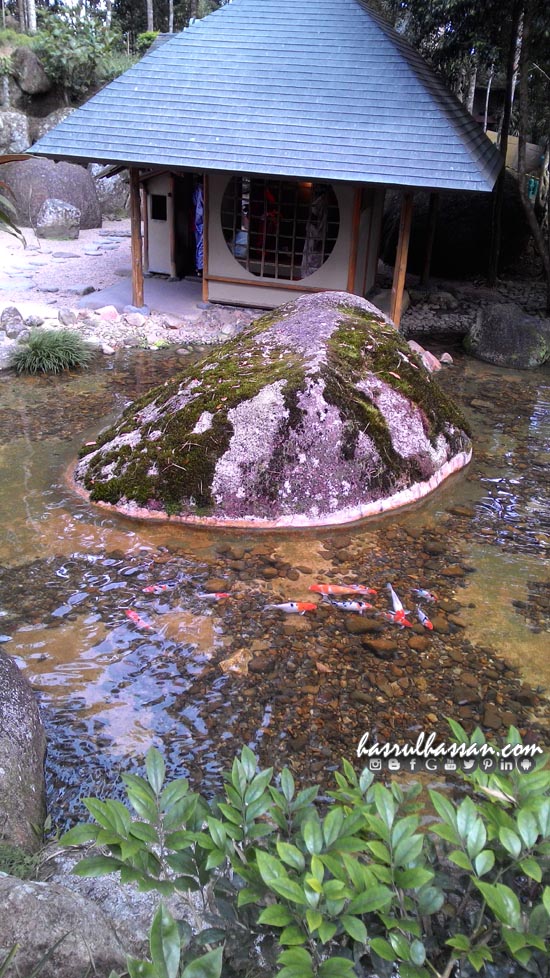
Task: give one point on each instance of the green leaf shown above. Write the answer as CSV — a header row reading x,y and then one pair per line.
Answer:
x,y
532,868
217,831
336,968
459,941
385,805
174,792
258,785
430,899
326,931
418,953
207,966
314,919
383,949
478,956
484,862
408,850
465,818
275,916
444,808
546,899
332,826
502,901
289,890
270,869
97,866
292,935
400,945
313,837
477,838
375,898
156,769
355,928
528,828
291,855
414,878
249,763
79,835
140,969
296,956
511,841
460,859
164,941
288,786
380,852
141,797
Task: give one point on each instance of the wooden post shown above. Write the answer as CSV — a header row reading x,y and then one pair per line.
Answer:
x,y
430,238
205,236
400,269
135,217
354,244
171,205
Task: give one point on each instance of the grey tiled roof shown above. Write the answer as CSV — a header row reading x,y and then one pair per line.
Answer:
x,y
309,88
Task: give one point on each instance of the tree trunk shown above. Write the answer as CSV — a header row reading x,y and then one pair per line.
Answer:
x,y
30,11
21,14
536,230
472,78
490,77
150,18
498,199
170,16
108,13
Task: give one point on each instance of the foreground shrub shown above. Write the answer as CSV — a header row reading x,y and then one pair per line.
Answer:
x,y
50,351
341,888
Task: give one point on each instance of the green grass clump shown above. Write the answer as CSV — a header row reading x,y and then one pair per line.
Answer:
x,y
50,351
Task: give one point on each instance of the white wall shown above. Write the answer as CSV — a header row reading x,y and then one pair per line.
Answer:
x,y
159,231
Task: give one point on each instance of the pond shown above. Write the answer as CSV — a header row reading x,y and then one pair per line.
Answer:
x,y
306,688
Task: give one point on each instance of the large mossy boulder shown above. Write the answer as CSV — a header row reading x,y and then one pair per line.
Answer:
x,y
317,413
504,334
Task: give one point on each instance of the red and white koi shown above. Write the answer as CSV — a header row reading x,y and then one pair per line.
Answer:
x,y
423,619
342,589
214,595
137,619
159,588
292,607
359,607
424,595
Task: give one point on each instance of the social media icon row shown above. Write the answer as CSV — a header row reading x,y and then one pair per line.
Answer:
x,y
488,765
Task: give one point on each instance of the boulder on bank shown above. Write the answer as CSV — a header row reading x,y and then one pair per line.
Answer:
x,y
58,220
34,181
38,915
317,413
22,752
29,72
508,337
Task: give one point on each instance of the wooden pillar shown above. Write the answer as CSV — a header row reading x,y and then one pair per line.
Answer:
x,y
137,259
205,236
430,238
400,269
354,244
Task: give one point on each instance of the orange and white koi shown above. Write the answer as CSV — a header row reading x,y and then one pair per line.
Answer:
x,y
423,619
342,589
398,618
137,619
159,588
359,607
292,607
214,595
421,592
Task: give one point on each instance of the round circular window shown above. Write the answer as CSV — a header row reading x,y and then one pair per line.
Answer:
x,y
279,229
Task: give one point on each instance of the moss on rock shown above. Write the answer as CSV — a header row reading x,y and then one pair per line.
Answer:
x,y
307,411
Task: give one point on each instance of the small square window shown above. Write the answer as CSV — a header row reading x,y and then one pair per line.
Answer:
x,y
158,207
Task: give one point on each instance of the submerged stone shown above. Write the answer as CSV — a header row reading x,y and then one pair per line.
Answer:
x,y
317,413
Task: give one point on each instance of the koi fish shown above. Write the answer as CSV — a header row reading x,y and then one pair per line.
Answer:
x,y
292,607
214,595
420,592
342,589
159,588
398,618
423,619
397,605
358,606
137,620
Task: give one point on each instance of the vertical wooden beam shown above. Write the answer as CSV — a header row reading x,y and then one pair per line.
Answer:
x,y
137,259
430,238
145,219
400,269
354,243
171,215
205,236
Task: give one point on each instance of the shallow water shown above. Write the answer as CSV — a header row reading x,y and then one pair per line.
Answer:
x,y
110,687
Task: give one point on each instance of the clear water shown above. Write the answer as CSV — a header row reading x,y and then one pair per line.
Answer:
x,y
109,688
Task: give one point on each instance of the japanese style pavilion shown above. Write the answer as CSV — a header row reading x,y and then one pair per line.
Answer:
x,y
260,143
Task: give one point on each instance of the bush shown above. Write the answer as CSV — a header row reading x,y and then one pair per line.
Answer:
x,y
355,884
50,351
73,51
144,41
